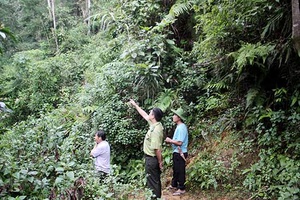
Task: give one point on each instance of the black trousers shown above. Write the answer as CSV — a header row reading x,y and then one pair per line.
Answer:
x,y
102,176
178,179
153,175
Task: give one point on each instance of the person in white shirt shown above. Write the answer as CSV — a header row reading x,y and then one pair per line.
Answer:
x,y
101,153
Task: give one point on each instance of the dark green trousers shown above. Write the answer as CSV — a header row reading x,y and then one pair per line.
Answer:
x,y
153,175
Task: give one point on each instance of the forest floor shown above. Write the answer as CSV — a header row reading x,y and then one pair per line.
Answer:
x,y
194,195
168,195
189,195
186,196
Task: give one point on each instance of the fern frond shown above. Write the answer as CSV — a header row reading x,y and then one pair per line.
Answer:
x,y
254,96
180,8
217,86
249,54
176,10
251,95
272,24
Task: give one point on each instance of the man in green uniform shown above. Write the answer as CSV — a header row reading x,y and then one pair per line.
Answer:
x,y
152,148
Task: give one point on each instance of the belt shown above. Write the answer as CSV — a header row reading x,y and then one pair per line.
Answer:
x,y
150,156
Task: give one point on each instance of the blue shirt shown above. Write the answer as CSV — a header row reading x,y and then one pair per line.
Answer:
x,y
181,134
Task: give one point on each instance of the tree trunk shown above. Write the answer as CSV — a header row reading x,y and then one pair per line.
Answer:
x,y
296,25
51,5
49,8
54,25
88,7
85,6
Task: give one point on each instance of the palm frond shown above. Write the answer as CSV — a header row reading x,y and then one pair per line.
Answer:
x,y
165,99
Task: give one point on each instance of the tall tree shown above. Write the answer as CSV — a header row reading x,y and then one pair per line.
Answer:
x,y
51,6
88,5
296,24
85,6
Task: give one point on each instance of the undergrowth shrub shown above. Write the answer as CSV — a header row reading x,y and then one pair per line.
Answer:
x,y
276,174
39,155
44,158
206,173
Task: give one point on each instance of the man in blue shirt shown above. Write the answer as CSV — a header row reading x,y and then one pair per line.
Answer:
x,y
179,144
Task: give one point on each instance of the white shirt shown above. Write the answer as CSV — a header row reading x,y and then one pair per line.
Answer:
x,y
102,155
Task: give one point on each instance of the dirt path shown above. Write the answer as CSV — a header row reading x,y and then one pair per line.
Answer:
x,y
168,195
189,195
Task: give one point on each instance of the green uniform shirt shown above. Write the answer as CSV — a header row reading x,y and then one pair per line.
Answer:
x,y
153,139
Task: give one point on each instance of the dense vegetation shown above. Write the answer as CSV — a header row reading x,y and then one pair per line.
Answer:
x,y
68,68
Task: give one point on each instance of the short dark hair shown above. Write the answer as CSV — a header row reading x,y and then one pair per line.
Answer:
x,y
101,134
158,113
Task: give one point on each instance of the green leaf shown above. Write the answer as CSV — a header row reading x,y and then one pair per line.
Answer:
x,y
31,179
16,175
72,163
70,175
58,180
59,169
32,173
170,42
